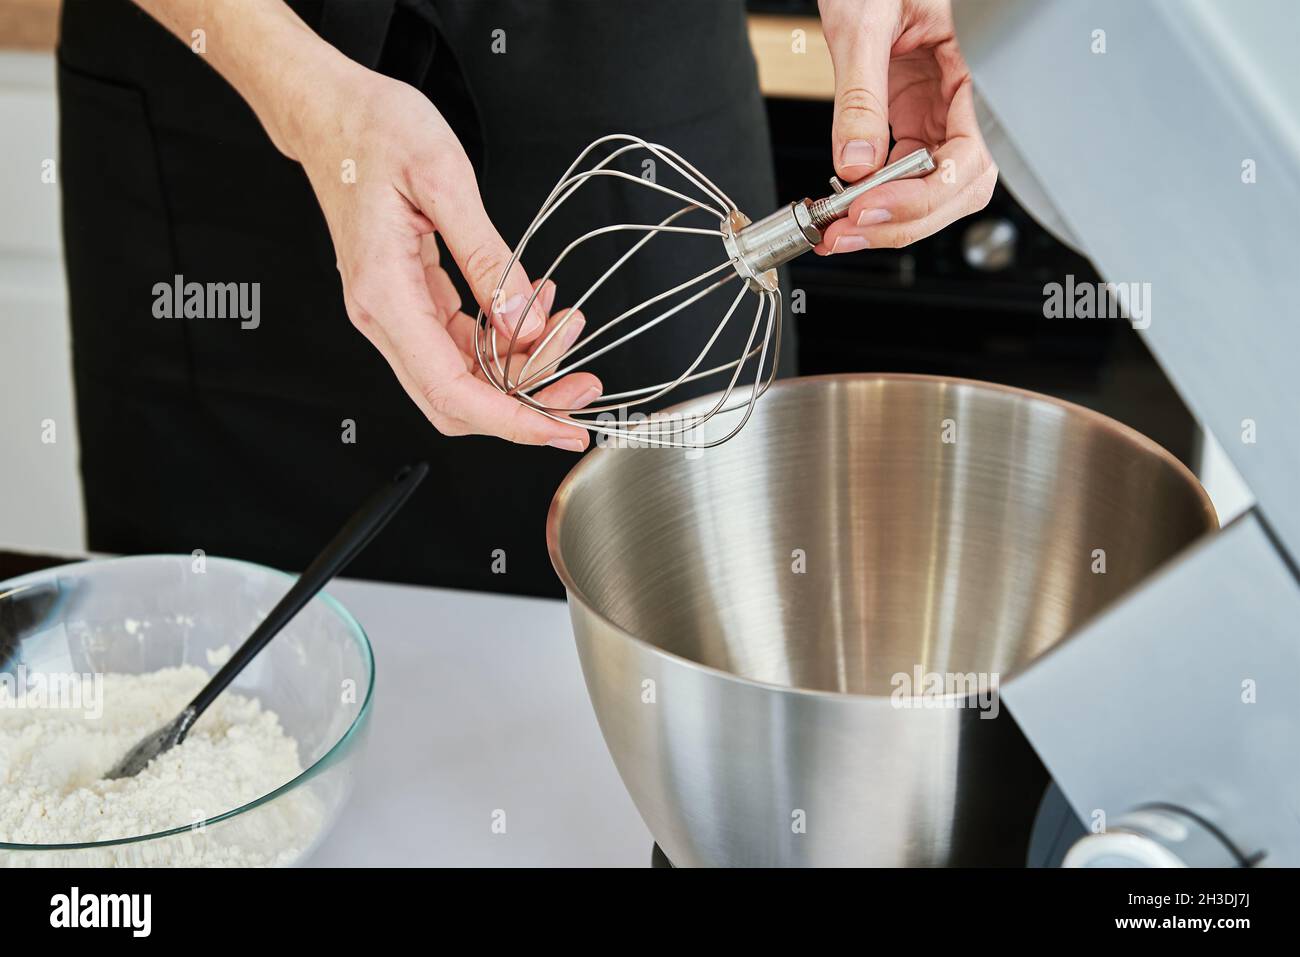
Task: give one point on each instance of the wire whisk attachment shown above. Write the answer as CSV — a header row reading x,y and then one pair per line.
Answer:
x,y
747,252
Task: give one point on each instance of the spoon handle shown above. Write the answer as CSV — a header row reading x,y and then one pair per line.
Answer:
x,y
360,529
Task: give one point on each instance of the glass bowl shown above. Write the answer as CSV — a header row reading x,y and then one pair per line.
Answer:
x,y
139,614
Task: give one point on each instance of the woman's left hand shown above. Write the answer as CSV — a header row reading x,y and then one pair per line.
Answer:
x,y
897,65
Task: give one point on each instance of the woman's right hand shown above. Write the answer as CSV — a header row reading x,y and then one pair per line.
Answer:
x,y
390,175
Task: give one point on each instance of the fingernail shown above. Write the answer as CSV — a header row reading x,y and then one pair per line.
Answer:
x,y
532,324
568,445
508,310
547,297
510,306
873,217
849,244
588,397
858,153
572,329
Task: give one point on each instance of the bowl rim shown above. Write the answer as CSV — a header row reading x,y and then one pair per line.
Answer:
x,y
316,767
1119,429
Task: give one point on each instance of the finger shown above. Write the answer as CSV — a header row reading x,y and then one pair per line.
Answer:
x,y
962,159
891,214
485,410
464,331
843,237
442,291
572,393
430,364
430,254
462,407
957,163
562,333
379,339
860,129
547,298
569,393
482,255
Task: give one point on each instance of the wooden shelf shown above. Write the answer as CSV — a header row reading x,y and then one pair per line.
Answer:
x,y
784,72
29,24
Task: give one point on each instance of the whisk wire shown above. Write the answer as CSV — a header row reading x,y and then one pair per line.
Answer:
x,y
650,231
644,327
522,375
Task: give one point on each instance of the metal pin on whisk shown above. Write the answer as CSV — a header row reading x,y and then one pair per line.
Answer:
x,y
752,251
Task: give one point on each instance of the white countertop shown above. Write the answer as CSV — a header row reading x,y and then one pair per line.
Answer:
x,y
479,706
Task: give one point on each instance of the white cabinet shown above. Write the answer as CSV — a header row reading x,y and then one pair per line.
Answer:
x,y
40,487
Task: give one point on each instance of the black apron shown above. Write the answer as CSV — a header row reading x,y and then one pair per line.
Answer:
x,y
200,434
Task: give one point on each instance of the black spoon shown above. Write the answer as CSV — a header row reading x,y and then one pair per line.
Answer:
x,y
345,546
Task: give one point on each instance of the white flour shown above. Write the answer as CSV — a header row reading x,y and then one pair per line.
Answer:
x,y
52,792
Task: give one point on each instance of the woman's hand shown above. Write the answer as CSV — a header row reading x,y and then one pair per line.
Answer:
x,y
390,175
897,65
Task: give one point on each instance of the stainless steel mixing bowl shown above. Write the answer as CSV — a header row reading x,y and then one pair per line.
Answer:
x,y
761,625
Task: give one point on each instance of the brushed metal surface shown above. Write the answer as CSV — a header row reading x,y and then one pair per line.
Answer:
x,y
1221,321
741,613
1205,717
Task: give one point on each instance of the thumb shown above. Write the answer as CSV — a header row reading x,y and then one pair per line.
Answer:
x,y
860,133
482,254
